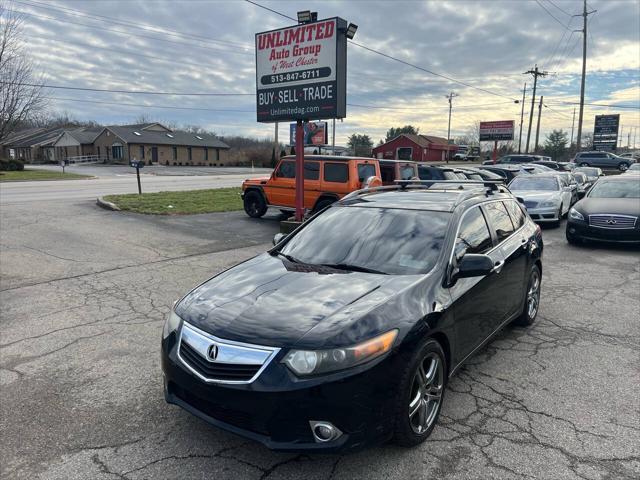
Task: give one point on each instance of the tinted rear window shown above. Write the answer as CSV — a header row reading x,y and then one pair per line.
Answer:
x,y
500,220
311,170
336,172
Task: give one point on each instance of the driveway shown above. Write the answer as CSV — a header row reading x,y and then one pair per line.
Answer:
x,y
84,296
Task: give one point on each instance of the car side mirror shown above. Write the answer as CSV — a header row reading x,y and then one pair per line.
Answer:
x,y
520,200
474,265
278,237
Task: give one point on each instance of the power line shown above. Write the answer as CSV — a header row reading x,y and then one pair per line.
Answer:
x,y
134,92
598,105
561,9
395,59
169,107
552,15
150,28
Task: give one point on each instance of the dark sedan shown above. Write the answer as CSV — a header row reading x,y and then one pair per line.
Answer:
x,y
508,172
609,212
346,332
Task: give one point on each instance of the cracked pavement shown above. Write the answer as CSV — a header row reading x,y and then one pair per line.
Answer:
x,y
84,294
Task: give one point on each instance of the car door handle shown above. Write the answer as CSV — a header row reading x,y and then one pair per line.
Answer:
x,y
497,267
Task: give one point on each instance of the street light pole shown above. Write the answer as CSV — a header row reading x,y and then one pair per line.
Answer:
x,y
450,98
524,91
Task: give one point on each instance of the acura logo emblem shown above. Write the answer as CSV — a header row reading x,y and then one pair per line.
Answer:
x,y
212,352
611,221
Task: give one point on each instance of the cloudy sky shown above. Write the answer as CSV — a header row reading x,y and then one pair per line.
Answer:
x,y
207,46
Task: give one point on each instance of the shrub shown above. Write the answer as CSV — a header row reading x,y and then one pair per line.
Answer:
x,y
11,164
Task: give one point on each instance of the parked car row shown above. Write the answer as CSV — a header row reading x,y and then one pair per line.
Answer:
x,y
603,160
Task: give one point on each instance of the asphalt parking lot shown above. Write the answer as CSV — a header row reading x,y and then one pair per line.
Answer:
x,y
84,294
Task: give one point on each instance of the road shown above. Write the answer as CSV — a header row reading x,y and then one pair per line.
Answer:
x,y
44,191
84,293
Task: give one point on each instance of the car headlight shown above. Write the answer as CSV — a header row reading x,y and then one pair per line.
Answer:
x,y
575,214
314,362
549,203
171,324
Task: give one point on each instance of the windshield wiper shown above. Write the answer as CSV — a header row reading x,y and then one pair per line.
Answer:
x,y
353,268
288,257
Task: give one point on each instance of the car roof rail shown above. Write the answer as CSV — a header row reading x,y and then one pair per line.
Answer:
x,y
492,185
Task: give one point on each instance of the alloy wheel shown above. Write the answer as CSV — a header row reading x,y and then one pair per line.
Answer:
x,y
533,295
426,393
623,167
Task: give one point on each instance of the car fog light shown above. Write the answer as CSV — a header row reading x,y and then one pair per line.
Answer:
x,y
324,431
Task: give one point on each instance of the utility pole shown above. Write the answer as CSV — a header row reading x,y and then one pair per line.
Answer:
x,y
538,127
524,91
585,14
450,98
536,73
276,144
620,136
573,123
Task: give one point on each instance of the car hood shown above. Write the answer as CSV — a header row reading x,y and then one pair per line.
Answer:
x,y
536,195
271,301
621,206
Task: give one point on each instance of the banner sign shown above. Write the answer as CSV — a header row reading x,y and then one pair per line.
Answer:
x,y
301,72
496,131
315,133
605,132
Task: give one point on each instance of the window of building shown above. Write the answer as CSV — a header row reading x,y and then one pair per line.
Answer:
x,y
473,236
206,154
517,216
404,153
500,220
169,135
189,153
217,154
137,134
116,151
141,152
286,170
388,173
311,170
336,172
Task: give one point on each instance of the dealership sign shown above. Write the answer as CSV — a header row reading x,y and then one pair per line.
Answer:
x,y
496,131
315,133
301,72
605,132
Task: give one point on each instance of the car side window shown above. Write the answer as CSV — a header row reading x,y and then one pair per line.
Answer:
x,y
311,170
336,172
473,235
286,170
517,216
366,170
500,220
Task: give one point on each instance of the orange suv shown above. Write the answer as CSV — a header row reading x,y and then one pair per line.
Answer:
x,y
326,179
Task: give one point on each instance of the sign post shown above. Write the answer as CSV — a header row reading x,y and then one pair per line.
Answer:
x,y
137,165
301,73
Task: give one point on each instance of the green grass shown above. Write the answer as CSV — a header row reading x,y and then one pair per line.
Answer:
x,y
17,176
180,203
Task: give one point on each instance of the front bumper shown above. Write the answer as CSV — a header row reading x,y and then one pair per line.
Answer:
x,y
541,215
581,229
276,410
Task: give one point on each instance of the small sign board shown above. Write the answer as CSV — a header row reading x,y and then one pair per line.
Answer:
x,y
500,130
605,132
136,164
315,133
301,71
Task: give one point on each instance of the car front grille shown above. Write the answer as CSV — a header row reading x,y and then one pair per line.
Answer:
x,y
218,371
612,221
215,360
530,204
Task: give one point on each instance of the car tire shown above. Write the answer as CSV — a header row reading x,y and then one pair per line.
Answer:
x,y
419,402
254,204
322,204
557,224
584,164
531,299
623,166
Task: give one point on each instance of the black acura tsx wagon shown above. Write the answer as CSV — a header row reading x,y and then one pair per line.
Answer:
x,y
345,333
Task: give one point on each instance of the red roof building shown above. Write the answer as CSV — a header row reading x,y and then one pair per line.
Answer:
x,y
419,148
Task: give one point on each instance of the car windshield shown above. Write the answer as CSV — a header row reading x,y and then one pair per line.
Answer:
x,y
579,178
548,184
388,240
616,189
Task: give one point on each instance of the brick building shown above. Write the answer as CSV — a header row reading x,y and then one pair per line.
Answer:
x,y
419,148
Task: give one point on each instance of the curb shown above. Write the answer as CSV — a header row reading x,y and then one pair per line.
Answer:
x,y
101,202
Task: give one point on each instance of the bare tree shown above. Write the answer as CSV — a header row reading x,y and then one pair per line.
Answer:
x,y
21,94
